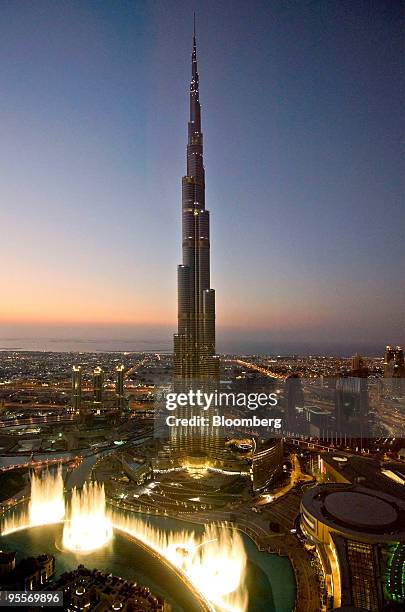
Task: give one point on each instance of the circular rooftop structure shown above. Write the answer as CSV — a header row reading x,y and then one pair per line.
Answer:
x,y
354,510
360,509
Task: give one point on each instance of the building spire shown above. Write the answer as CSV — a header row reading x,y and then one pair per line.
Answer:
x,y
194,72
194,88
194,345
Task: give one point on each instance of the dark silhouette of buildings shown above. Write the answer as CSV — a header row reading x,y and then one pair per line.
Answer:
x,y
31,573
85,589
7,563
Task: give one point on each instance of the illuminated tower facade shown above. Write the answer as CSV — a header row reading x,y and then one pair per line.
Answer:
x,y
194,344
76,388
119,387
98,386
196,365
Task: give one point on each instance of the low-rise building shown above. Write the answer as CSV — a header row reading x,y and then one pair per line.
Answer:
x,y
92,590
29,574
359,535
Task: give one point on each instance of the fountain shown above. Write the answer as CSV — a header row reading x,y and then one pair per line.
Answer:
x,y
214,562
88,526
47,504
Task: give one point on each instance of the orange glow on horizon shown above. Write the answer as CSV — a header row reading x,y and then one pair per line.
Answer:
x,y
59,303
157,317
86,311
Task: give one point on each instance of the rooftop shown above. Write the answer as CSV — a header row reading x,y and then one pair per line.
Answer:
x,y
360,509
354,510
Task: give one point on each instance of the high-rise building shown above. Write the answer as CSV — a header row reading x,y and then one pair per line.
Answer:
x,y
119,387
194,344
399,359
388,361
352,404
266,463
98,386
357,363
352,409
196,365
394,369
76,388
294,404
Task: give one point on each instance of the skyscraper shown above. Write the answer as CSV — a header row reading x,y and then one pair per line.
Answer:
x,y
195,364
394,369
388,361
119,387
98,386
357,363
294,400
352,408
76,388
194,344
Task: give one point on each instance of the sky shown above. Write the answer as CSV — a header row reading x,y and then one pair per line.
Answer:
x,y
302,120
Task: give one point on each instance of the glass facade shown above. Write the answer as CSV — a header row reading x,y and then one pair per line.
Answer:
x,y
363,567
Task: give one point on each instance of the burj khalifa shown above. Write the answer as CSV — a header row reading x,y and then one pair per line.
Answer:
x,y
194,344
196,365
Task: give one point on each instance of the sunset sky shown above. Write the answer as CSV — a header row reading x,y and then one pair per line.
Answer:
x,y
302,123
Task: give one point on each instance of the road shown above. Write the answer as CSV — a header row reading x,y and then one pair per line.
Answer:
x,y
256,368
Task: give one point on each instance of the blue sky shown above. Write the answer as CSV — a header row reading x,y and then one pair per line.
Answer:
x,y
302,124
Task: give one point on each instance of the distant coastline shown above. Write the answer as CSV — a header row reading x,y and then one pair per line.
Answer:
x,y
11,348
164,345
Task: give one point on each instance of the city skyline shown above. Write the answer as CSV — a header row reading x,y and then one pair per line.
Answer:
x,y
306,192
253,458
